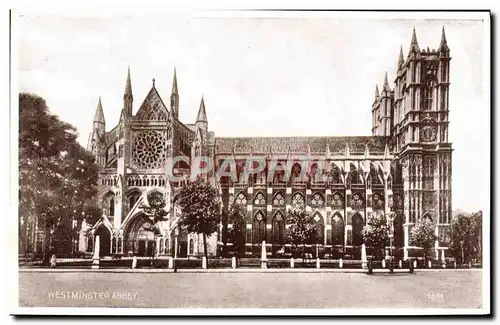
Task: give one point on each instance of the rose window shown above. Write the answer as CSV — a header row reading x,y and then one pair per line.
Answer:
x,y
278,199
149,150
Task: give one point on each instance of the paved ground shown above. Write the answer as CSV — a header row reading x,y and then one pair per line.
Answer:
x,y
434,289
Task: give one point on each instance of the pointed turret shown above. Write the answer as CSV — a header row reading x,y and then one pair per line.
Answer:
x,y
377,93
367,151
174,83
414,43
401,60
202,114
99,113
128,98
174,97
386,83
443,46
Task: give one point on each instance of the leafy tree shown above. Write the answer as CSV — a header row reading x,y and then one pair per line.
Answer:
x,y
302,228
235,234
56,175
466,236
375,232
201,209
155,210
423,235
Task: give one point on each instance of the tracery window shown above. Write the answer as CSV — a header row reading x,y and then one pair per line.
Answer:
x,y
429,87
241,199
298,200
337,200
317,199
259,228
278,199
378,201
356,201
149,150
259,199
278,228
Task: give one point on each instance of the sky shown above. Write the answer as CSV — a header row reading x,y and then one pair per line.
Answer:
x,y
258,76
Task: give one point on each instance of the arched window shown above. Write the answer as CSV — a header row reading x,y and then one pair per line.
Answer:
x,y
259,228
259,200
317,199
133,198
278,228
298,201
278,199
337,230
241,199
111,206
429,87
191,246
320,229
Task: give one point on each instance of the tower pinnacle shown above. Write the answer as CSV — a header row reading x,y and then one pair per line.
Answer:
x,y
401,61
202,114
443,46
99,113
174,84
414,43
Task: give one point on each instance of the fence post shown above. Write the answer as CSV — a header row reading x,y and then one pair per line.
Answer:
x,y
317,263
233,262
341,264
203,262
292,263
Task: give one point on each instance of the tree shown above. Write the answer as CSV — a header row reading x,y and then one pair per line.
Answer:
x,y
236,233
201,209
155,210
56,175
423,235
302,229
466,236
375,232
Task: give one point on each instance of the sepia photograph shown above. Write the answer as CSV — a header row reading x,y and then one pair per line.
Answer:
x,y
251,162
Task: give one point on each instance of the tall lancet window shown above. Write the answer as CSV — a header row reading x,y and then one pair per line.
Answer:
x,y
429,88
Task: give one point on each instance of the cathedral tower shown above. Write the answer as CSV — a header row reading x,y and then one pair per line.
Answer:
x,y
420,136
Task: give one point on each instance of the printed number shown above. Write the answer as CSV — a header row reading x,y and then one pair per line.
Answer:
x,y
434,296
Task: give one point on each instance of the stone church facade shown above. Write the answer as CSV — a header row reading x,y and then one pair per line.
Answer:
x,y
402,170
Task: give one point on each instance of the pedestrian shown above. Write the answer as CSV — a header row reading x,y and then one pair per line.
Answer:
x,y
53,261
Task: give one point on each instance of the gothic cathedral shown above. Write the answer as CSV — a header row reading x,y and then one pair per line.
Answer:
x,y
402,170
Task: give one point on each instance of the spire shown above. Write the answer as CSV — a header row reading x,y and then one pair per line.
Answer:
x,y
414,43
99,113
128,84
401,61
174,84
367,151
443,46
174,97
377,93
386,83
202,114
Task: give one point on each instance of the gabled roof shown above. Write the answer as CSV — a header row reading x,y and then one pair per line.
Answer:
x,y
152,108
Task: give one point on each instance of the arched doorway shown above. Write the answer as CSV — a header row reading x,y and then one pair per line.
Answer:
x,y
140,237
104,240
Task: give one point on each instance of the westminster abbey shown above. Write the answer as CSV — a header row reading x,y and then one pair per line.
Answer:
x,y
403,169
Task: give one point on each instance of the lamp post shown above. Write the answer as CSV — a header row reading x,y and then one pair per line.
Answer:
x,y
390,220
